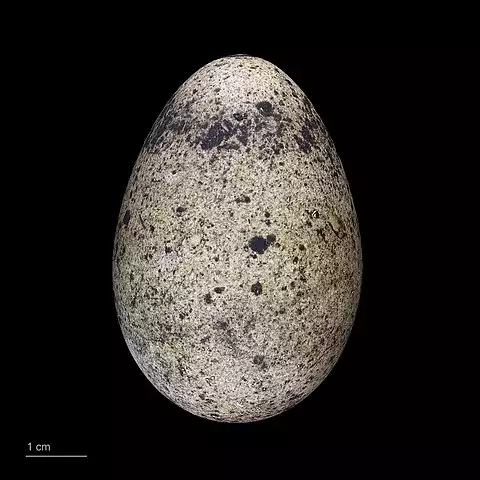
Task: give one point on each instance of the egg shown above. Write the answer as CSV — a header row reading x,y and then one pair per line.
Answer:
x,y
237,259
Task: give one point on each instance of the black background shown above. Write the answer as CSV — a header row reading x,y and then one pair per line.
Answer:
x,y
399,119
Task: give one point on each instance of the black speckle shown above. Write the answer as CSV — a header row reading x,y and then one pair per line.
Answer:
x,y
258,244
267,214
292,284
301,247
217,258
321,233
271,239
243,199
217,90
168,249
265,108
295,260
256,288
259,126
126,218
181,209
307,135
243,135
238,117
268,222
309,223
222,325
208,298
152,228
258,359
219,289
284,287
303,144
216,134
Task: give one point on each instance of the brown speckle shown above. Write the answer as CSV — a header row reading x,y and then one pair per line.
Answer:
x,y
256,288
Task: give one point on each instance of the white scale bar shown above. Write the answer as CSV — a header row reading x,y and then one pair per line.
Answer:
x,y
55,456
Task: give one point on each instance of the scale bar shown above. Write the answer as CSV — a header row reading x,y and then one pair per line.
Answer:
x,y
55,456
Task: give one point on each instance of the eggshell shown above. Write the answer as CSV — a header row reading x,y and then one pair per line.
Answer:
x,y
237,259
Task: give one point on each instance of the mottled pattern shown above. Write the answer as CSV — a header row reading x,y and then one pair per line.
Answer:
x,y
237,259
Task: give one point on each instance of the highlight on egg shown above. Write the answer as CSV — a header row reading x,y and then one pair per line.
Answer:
x,y
237,259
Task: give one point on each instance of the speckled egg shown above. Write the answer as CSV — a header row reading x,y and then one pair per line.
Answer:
x,y
237,259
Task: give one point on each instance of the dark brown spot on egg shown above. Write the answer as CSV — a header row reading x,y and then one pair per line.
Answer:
x,y
243,199
208,298
260,244
256,288
265,108
258,359
126,218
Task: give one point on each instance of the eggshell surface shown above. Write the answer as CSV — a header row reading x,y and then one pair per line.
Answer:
x,y
237,258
